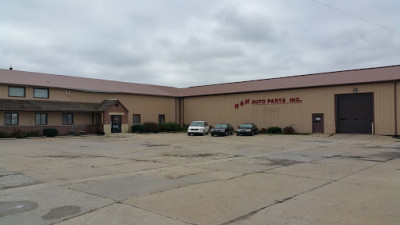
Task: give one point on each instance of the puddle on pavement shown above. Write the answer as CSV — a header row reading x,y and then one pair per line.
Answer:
x,y
68,156
15,207
283,162
155,145
62,211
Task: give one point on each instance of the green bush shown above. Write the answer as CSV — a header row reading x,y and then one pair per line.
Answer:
x,y
50,132
168,127
19,134
151,127
274,130
184,127
34,133
288,130
4,134
138,129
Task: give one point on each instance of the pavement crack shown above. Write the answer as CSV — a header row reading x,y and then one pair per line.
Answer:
x,y
250,214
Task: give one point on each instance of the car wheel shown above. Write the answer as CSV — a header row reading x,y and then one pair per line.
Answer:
x,y
188,134
252,133
231,132
212,134
237,134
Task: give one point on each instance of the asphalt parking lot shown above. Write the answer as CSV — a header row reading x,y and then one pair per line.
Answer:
x,y
175,179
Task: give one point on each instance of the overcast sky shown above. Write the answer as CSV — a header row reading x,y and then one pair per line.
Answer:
x,y
184,43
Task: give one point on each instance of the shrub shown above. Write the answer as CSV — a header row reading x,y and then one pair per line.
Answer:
x,y
33,133
288,130
19,134
184,127
151,127
4,134
138,128
50,132
168,127
274,130
263,131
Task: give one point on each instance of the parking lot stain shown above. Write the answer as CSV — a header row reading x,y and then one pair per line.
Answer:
x,y
283,162
62,211
378,157
15,207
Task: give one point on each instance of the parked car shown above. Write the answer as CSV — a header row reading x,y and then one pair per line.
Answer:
x,y
222,129
198,127
247,129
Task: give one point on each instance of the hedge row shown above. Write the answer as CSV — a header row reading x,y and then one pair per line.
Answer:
x,y
150,127
48,132
278,130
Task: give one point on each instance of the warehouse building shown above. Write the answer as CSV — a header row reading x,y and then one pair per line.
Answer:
x,y
362,101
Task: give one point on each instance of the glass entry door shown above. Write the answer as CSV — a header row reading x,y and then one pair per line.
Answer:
x,y
116,124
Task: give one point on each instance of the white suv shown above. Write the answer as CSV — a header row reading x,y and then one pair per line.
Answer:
x,y
198,127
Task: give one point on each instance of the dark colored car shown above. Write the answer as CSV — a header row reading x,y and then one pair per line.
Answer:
x,y
222,129
247,129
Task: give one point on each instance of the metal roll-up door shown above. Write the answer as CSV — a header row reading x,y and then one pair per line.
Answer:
x,y
354,113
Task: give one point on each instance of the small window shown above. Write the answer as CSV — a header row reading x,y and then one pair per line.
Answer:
x,y
11,119
41,119
16,92
136,118
68,118
40,93
161,118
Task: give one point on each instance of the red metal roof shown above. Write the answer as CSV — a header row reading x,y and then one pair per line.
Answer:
x,y
357,76
379,74
15,77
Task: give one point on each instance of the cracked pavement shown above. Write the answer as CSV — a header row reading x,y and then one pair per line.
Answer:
x,y
175,179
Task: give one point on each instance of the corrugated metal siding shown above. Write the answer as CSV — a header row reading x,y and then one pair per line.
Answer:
x,y
398,107
217,109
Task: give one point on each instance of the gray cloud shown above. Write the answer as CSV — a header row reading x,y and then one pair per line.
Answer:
x,y
184,43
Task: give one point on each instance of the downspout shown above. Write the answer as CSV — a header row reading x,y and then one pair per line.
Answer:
x,y
395,108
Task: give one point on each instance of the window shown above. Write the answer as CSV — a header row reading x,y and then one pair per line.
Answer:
x,y
41,119
16,92
161,118
68,118
11,119
136,118
40,93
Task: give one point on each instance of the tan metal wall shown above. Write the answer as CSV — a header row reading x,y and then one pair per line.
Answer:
x,y
397,84
148,106
220,108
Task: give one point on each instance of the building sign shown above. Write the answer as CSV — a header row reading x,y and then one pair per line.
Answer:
x,y
268,101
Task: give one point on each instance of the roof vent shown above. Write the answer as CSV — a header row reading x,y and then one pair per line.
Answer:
x,y
11,68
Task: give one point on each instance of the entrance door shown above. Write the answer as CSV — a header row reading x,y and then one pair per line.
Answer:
x,y
116,124
318,123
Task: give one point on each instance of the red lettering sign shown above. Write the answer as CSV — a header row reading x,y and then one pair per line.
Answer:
x,y
269,101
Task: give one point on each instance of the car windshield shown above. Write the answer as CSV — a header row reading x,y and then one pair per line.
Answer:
x,y
219,126
246,125
197,124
